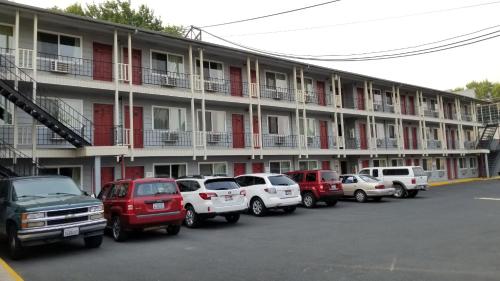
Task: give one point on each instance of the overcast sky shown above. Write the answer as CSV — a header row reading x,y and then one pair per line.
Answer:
x,y
348,26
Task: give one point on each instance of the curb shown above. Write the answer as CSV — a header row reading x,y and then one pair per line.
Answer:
x,y
443,183
7,273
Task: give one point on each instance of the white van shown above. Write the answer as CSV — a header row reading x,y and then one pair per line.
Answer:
x,y
407,180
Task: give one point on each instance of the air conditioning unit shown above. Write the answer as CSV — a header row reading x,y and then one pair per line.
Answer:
x,y
58,66
214,137
170,136
279,139
54,136
380,142
168,81
211,86
277,95
310,140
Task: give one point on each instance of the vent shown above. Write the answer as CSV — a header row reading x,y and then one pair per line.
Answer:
x,y
58,66
170,136
167,81
214,137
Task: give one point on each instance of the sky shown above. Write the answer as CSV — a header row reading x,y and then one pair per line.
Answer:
x,y
351,26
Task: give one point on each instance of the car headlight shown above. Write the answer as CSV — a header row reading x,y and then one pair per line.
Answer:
x,y
32,216
27,220
97,208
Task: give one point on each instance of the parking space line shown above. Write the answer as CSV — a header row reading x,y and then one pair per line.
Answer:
x,y
10,271
487,198
393,264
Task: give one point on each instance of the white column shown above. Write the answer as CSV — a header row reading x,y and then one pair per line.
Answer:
x,y
304,121
34,133
297,118
203,119
16,82
259,113
97,174
130,98
193,112
486,165
250,106
115,70
335,117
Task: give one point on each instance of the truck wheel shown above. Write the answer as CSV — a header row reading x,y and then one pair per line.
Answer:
x,y
233,218
412,193
360,196
257,207
93,241
192,219
173,229
118,232
308,200
16,250
400,191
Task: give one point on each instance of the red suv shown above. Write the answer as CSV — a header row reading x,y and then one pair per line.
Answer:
x,y
318,185
151,203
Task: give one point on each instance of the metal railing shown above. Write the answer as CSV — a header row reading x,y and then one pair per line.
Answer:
x,y
431,113
488,113
434,144
387,143
271,140
16,161
469,144
277,93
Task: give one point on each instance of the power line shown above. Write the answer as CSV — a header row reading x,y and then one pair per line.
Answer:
x,y
271,15
364,21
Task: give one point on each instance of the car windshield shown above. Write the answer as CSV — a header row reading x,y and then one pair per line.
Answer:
x,y
329,176
281,180
221,184
368,178
44,187
154,188
418,171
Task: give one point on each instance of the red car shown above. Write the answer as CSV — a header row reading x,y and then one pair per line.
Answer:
x,y
141,204
318,185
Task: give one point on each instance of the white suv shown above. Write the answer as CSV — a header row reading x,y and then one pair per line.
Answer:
x,y
407,180
208,197
270,191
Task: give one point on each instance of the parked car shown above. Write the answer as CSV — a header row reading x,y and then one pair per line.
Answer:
x,y
407,180
45,209
318,185
270,191
142,204
208,197
362,187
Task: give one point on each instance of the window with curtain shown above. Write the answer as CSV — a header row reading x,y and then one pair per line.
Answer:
x,y
311,126
308,165
211,69
208,169
279,167
273,124
54,45
380,131
275,80
392,131
215,121
6,37
170,171
169,118
388,98
278,125
159,61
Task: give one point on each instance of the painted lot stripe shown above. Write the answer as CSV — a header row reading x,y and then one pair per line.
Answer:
x,y
487,198
7,272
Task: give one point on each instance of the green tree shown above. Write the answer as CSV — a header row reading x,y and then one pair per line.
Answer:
x,y
485,89
119,11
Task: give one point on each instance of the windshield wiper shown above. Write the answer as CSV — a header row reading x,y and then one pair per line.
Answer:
x,y
31,195
62,193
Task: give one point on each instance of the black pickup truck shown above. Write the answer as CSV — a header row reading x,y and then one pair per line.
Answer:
x,y
45,209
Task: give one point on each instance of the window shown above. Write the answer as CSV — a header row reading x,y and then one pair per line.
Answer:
x,y
468,135
221,184
279,167
364,172
433,104
392,131
209,169
377,97
169,118
4,188
164,62
281,180
6,37
311,128
278,125
395,172
396,162
379,163
6,109
74,173
308,165
121,190
388,98
439,164
472,163
308,84
170,171
275,80
54,45
435,133
154,188
188,186
297,177
380,131
215,121
249,181
375,173
427,164
211,69
462,164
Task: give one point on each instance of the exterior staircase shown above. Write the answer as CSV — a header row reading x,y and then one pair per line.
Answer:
x,y
489,115
14,163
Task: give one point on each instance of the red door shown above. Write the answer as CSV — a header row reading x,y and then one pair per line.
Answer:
x,y
412,105
134,172
236,83
365,163
325,165
362,136
107,175
320,85
406,137
239,169
138,123
238,131
103,124
408,161
450,110
253,76
256,132
136,65
257,167
323,134
361,99
448,168
403,104
103,58
414,137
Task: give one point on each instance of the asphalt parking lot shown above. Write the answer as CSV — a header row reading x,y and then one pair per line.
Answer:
x,y
446,233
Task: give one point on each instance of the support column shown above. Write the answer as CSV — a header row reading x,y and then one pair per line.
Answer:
x,y
130,99
304,120
339,90
486,165
34,131
97,174
193,112
16,83
335,117
117,99
203,110
250,106
297,117
259,113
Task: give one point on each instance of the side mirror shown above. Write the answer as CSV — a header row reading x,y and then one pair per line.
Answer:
x,y
85,193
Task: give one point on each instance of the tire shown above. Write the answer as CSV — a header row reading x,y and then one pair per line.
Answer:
x,y
412,193
377,199
192,219
117,231
400,191
290,209
233,218
173,229
308,200
360,196
257,207
93,241
331,203
16,250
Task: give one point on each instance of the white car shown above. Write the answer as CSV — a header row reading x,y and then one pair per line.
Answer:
x,y
208,197
270,191
407,180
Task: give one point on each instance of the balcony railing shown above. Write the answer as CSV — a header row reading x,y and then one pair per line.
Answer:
x,y
466,117
469,144
431,113
387,143
44,136
271,140
277,93
489,113
352,143
434,144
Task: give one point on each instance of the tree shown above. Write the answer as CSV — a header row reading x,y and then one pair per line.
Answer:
x,y
119,11
484,89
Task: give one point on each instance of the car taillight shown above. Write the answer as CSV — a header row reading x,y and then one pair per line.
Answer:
x,y
207,195
130,206
243,193
271,190
413,181
321,187
182,203
380,186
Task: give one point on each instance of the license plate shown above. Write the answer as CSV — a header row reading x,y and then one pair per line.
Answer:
x,y
71,231
288,192
157,206
228,197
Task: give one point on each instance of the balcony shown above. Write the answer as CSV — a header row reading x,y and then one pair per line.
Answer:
x,y
469,144
466,117
277,141
352,143
387,143
277,93
434,144
431,113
